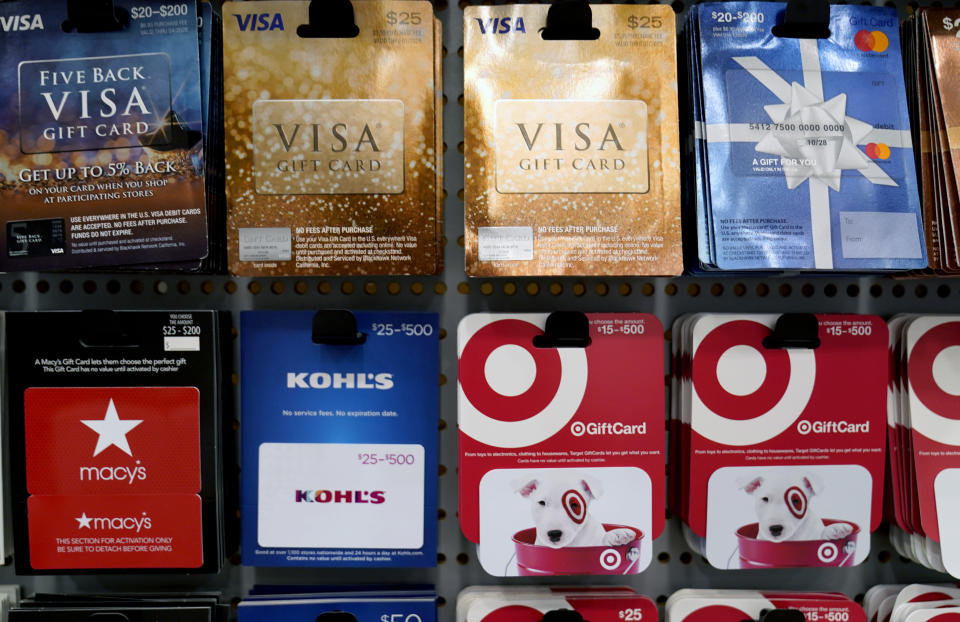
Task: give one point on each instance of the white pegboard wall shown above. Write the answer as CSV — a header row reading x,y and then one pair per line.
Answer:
x,y
452,295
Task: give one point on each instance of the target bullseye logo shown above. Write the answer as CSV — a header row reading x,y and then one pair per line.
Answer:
x,y
513,394
796,501
610,559
575,506
828,552
743,393
933,369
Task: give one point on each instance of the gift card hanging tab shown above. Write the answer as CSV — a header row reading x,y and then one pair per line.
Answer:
x,y
99,16
329,19
107,329
563,615
336,327
335,616
794,330
570,20
565,329
805,19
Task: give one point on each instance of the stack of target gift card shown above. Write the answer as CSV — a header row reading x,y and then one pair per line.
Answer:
x,y
931,54
745,605
195,606
924,438
561,466
557,604
775,461
912,603
801,156
115,444
266,603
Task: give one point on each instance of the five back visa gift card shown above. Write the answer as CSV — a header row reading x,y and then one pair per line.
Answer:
x,y
775,462
101,154
561,465
333,141
117,458
339,435
571,147
804,157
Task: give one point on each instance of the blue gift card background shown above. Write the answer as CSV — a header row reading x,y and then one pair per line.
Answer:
x,y
733,96
274,343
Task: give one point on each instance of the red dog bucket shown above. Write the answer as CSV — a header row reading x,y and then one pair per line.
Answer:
x,y
756,553
534,560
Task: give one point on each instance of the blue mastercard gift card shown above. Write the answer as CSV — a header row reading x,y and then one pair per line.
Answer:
x,y
808,156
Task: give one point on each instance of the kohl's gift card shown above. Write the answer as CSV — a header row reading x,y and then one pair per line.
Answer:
x,y
309,491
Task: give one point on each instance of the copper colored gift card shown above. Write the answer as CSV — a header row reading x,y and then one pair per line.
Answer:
x,y
571,146
331,142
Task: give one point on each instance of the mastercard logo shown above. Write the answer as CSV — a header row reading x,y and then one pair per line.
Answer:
x,y
877,151
871,41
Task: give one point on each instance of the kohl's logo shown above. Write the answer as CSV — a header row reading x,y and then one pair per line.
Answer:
x,y
375,497
114,523
805,427
501,25
259,22
337,380
19,23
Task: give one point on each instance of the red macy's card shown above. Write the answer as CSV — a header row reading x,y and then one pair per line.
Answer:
x,y
115,531
100,441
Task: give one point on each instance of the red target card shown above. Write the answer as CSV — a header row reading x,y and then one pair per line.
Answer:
x,y
523,604
932,418
561,449
781,450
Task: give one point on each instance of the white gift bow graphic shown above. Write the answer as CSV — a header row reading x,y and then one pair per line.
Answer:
x,y
819,158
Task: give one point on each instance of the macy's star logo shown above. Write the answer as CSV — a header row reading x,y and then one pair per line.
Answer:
x,y
112,431
84,521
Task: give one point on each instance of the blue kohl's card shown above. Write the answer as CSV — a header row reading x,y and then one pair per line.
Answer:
x,y
339,442
413,609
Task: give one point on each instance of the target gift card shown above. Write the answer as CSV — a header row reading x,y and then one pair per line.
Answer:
x,y
561,460
780,460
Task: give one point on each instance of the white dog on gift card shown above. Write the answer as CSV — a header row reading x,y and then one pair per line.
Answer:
x,y
560,504
784,512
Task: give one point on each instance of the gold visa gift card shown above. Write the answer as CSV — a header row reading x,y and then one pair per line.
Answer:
x,y
332,144
572,160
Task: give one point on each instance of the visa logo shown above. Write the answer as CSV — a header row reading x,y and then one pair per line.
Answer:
x,y
501,25
16,23
260,21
